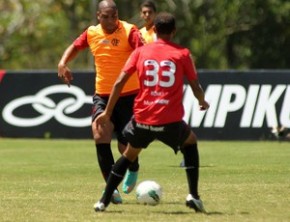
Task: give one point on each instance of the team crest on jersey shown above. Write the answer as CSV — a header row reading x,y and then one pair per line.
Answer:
x,y
115,42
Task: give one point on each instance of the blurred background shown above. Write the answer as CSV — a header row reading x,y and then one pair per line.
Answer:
x,y
236,34
241,50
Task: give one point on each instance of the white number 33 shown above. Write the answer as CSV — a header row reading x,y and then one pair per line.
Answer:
x,y
152,69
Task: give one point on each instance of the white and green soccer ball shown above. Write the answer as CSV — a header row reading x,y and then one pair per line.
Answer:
x,y
149,192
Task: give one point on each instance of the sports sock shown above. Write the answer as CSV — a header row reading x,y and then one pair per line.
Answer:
x,y
134,167
105,158
115,178
191,161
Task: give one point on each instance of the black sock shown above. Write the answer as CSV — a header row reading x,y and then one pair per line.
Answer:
x,y
115,178
134,167
191,161
105,158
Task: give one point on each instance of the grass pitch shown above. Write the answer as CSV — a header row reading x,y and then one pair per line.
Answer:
x,y
59,180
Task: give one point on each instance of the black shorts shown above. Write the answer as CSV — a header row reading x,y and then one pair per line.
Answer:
x,y
121,115
172,134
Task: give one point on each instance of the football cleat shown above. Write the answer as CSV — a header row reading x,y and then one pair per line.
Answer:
x,y
182,163
99,206
195,204
116,197
129,181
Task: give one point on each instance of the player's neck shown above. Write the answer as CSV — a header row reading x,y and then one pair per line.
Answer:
x,y
166,37
149,26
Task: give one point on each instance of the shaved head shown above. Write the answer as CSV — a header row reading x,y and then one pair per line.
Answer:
x,y
107,15
107,4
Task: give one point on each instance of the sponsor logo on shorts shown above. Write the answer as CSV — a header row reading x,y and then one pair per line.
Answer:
x,y
151,128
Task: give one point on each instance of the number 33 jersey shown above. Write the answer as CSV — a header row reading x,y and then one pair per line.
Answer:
x,y
161,68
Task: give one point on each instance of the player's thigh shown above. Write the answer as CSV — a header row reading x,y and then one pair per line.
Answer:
x,y
174,134
138,137
101,133
99,105
191,139
122,114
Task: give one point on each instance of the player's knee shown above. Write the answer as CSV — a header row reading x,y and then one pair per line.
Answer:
x,y
102,134
101,137
121,147
191,139
131,153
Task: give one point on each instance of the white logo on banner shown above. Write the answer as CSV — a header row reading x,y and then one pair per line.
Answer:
x,y
48,109
258,103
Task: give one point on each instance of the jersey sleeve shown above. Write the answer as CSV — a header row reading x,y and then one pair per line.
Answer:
x,y
131,64
189,66
135,38
81,42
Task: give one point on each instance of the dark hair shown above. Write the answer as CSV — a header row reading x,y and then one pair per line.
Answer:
x,y
149,4
164,23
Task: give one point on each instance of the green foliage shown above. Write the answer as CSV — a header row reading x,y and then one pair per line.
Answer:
x,y
238,34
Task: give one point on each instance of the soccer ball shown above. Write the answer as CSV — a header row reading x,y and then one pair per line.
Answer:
x,y
148,192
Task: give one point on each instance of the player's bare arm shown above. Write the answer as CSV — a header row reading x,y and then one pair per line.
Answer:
x,y
64,73
199,94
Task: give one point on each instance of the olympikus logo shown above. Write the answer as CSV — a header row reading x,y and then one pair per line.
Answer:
x,y
257,103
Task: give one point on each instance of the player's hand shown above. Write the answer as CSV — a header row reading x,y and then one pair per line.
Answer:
x,y
65,74
203,105
102,119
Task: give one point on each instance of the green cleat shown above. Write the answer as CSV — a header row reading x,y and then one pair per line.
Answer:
x,y
116,197
129,181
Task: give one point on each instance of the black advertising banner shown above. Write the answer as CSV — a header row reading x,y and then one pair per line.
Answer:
x,y
243,105
37,104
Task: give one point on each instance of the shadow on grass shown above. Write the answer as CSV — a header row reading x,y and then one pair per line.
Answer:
x,y
178,166
109,211
212,213
188,212
220,213
172,212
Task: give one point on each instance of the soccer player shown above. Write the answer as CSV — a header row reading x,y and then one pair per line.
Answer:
x,y
148,13
158,108
111,42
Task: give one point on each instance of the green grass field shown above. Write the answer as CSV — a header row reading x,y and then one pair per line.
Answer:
x,y
59,180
